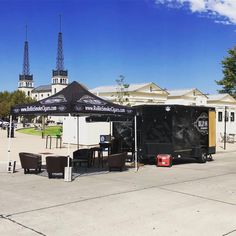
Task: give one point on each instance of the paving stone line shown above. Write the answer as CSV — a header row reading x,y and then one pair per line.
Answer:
x,y
130,191
24,226
229,232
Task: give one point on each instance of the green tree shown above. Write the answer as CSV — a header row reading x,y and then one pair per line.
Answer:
x,y
228,82
122,93
7,100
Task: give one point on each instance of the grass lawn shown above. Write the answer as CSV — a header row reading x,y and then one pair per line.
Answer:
x,y
50,130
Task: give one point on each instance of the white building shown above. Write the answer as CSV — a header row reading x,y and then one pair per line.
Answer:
x,y
134,94
190,96
225,114
150,93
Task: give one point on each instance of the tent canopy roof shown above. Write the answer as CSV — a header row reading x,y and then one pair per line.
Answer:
x,y
74,99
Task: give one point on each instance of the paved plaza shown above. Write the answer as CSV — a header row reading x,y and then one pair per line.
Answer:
x,y
187,199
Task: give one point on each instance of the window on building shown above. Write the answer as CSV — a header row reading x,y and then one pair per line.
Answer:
x,y
220,116
41,95
55,91
48,94
227,116
232,116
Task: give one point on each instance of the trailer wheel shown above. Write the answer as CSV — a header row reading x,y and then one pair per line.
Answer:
x,y
203,157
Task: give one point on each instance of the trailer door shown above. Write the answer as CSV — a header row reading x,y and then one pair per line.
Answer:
x,y
212,129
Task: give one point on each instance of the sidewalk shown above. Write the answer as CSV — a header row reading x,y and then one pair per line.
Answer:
x,y
29,143
230,147
187,199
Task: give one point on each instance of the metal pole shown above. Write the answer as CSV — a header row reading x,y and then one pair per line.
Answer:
x,y
43,126
68,149
135,144
225,120
110,129
68,169
9,147
77,132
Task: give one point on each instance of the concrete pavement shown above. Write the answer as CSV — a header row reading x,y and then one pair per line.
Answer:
x,y
29,143
187,199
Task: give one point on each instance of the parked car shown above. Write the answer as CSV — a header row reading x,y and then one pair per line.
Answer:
x,y
3,123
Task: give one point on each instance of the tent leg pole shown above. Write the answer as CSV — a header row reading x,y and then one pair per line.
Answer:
x,y
77,132
110,129
135,144
10,164
43,126
68,169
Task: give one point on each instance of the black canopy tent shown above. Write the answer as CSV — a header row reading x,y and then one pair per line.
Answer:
x,y
74,100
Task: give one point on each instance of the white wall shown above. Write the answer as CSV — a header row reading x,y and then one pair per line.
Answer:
x,y
197,100
220,125
89,133
178,101
41,95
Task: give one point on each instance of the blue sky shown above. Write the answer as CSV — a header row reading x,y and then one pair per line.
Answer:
x,y
176,44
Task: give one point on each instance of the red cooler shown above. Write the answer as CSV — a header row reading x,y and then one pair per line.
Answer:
x,y
164,160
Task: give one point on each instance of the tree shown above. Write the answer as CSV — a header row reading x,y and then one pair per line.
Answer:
x,y
228,82
122,93
7,100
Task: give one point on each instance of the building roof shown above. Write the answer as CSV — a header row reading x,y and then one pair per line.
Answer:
x,y
219,96
183,92
223,97
113,88
42,88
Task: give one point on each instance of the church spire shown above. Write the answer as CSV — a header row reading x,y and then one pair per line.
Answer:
x,y
25,82
60,57
26,66
59,75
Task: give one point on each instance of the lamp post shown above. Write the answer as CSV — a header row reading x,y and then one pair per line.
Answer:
x,y
225,121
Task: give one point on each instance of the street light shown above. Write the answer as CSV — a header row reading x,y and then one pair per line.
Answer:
x,y
225,120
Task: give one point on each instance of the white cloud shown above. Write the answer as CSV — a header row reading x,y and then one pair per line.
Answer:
x,y
224,9
196,5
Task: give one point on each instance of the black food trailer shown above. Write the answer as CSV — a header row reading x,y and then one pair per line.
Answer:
x,y
177,130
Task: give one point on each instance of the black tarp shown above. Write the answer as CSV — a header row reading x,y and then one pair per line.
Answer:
x,y
74,99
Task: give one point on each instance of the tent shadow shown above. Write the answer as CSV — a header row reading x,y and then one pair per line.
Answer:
x,y
85,171
184,161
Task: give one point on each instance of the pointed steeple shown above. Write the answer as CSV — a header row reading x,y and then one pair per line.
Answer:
x,y
60,57
26,79
59,75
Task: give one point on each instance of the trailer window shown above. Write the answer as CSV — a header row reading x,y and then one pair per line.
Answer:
x,y
220,116
232,116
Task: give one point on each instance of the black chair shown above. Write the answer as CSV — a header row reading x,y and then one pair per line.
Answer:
x,y
30,161
99,152
83,155
56,164
117,161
